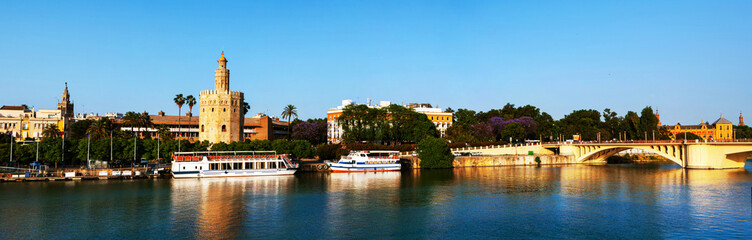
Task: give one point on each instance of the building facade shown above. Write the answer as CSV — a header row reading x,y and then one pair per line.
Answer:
x,y
259,127
23,123
721,129
441,119
221,116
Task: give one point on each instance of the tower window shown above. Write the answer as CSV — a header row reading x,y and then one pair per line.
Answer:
x,y
224,110
224,128
212,109
202,128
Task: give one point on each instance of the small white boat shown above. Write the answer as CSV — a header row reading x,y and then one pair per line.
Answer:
x,y
230,164
367,161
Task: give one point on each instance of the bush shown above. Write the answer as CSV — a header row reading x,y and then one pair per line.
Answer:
x,y
434,153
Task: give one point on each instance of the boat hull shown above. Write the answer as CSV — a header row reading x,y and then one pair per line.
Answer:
x,y
362,168
232,173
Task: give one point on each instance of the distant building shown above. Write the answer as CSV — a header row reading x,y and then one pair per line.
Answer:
x,y
23,123
441,119
221,116
721,129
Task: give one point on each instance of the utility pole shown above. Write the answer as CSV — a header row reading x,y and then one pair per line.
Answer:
x,y
134,150
646,135
653,135
88,146
11,146
37,159
159,139
110,146
62,155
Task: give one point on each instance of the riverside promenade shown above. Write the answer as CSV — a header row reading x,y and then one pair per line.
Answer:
x,y
75,174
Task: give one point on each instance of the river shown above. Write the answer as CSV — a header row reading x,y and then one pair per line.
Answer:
x,y
573,201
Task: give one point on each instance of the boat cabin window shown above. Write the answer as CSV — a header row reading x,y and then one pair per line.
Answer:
x,y
248,165
237,166
272,165
260,165
213,166
226,166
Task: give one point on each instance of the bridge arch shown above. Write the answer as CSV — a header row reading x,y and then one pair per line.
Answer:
x,y
601,153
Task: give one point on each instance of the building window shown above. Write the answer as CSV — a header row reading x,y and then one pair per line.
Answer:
x,y
224,128
202,128
212,109
224,110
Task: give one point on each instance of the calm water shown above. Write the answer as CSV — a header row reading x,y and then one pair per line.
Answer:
x,y
604,202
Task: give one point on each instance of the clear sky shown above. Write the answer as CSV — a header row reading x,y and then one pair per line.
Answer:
x,y
689,59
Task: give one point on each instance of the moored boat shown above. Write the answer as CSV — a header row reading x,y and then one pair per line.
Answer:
x,y
367,161
231,164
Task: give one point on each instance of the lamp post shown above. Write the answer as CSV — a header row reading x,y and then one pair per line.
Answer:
x,y
88,146
134,150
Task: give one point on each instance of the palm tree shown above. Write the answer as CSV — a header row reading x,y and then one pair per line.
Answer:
x,y
130,119
289,111
99,128
164,133
179,100
191,101
245,108
51,131
144,121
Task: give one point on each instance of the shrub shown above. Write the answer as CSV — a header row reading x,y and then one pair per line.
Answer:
x,y
434,153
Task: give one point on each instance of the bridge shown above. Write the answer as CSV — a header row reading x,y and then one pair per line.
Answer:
x,y
691,154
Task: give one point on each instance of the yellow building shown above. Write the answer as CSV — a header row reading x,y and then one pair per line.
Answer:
x,y
23,123
721,129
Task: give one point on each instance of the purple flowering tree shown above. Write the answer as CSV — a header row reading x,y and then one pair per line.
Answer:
x,y
315,132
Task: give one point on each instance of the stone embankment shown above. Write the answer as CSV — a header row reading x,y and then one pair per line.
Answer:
x,y
498,160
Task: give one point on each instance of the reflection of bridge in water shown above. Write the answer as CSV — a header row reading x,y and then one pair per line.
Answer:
x,y
702,155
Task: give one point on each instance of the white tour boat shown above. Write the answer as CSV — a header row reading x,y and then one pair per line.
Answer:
x,y
367,161
230,164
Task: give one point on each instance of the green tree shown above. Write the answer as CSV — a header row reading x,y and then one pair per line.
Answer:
x,y
583,122
648,122
288,112
164,133
79,129
101,128
51,131
465,117
434,153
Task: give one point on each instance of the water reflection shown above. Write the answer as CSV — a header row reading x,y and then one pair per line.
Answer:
x,y
577,201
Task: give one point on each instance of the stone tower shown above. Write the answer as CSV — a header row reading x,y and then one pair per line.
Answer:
x,y
741,120
65,106
658,117
221,117
66,111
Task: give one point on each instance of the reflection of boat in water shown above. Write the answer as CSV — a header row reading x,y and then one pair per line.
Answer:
x,y
367,161
230,164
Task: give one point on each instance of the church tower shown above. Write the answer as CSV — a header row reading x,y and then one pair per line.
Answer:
x,y
221,117
66,111
741,120
658,116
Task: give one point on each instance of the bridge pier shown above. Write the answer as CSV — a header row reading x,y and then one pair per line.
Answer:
x,y
706,156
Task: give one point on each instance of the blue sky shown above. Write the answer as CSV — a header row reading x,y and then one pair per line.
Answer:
x,y
689,59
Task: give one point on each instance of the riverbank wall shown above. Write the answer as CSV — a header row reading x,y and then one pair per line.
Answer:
x,y
498,160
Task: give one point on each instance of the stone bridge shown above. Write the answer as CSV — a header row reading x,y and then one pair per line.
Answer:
x,y
702,155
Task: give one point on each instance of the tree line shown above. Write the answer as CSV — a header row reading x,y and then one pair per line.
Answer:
x,y
528,122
